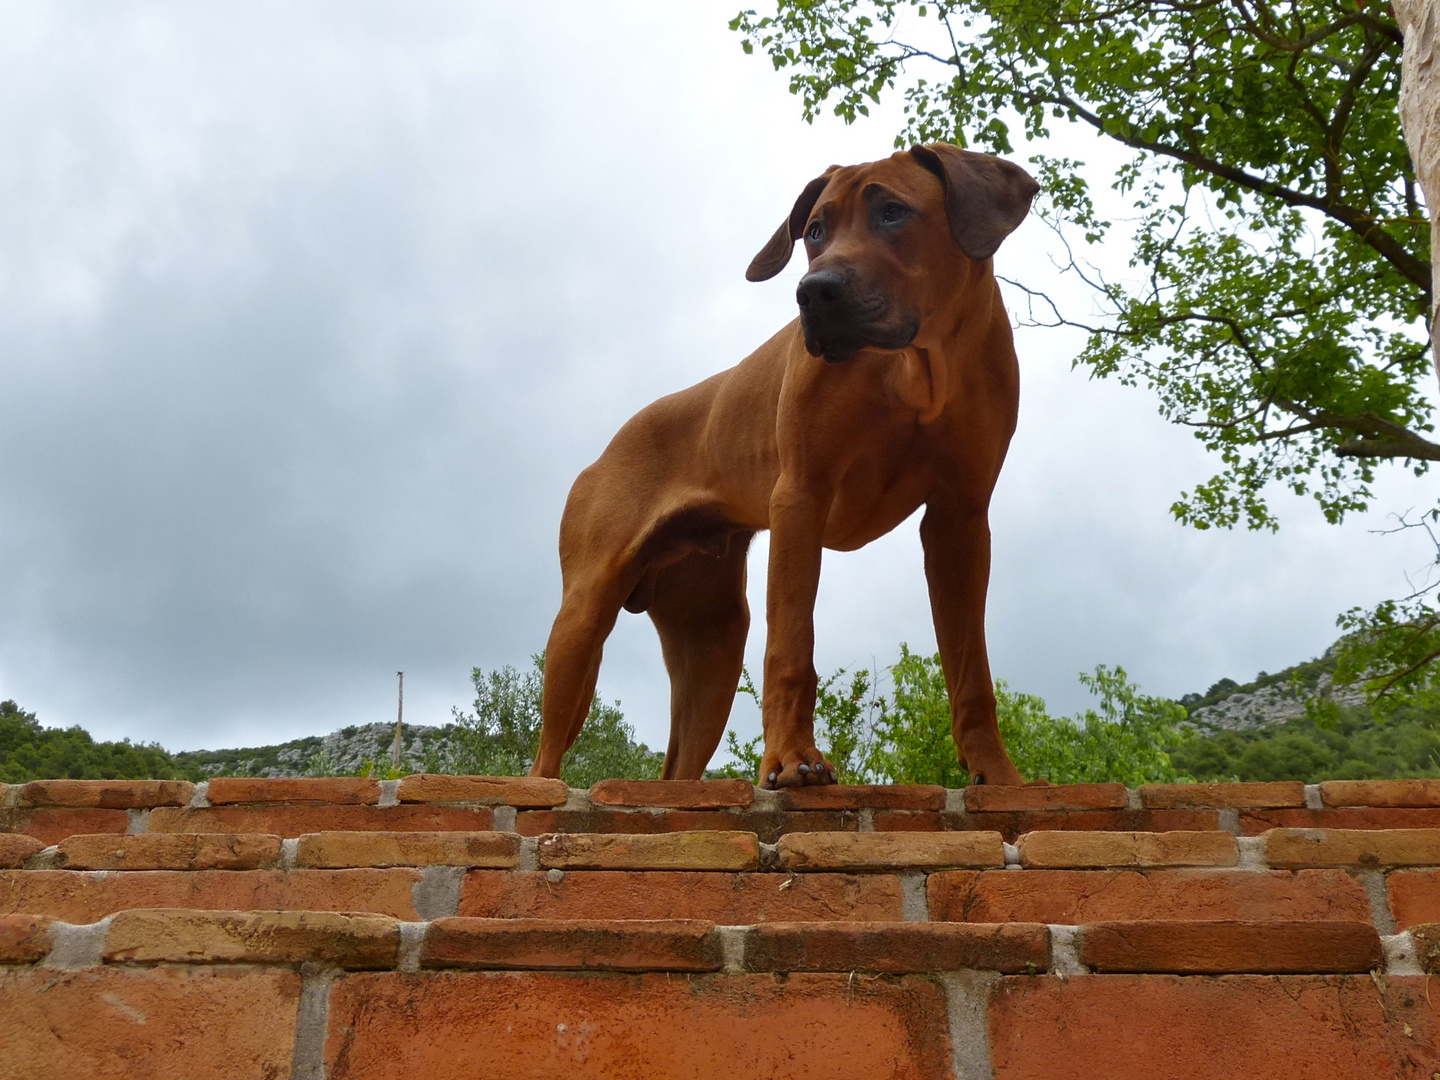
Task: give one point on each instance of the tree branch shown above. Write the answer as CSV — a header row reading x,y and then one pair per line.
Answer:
x,y
1369,230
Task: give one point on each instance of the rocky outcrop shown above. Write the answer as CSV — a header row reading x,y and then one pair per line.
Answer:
x,y
1268,705
339,753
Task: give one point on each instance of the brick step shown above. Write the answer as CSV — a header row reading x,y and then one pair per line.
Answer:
x,y
352,928
352,996
50,810
1388,877
353,941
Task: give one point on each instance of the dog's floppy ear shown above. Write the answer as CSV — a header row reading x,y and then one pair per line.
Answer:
x,y
986,197
774,255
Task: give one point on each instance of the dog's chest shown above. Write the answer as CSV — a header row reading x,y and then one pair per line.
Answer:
x,y
877,492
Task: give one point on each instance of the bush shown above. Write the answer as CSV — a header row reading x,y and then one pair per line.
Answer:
x,y
502,734
904,737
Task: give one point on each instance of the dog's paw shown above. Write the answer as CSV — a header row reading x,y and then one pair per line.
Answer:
x,y
1001,772
803,768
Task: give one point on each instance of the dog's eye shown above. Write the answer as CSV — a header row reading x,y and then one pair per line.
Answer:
x,y
815,231
892,212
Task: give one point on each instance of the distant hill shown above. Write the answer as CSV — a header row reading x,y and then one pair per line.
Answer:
x,y
340,753
1260,731
1268,699
30,751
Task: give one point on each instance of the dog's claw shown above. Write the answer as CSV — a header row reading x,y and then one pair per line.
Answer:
x,y
805,769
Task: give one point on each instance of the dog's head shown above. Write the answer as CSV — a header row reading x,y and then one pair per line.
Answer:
x,y
890,242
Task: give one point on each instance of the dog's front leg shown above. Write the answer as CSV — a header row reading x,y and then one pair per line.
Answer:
x,y
957,569
797,525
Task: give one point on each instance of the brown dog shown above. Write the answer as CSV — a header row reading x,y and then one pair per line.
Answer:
x,y
896,387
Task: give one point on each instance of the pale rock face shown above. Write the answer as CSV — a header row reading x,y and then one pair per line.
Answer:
x,y
1420,105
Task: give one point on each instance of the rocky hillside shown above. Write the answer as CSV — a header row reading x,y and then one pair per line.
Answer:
x,y
1269,699
341,752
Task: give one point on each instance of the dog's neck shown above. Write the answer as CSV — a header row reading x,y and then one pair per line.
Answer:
x,y
924,375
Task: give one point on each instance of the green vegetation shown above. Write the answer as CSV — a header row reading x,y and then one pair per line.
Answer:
x,y
500,737
497,738
1351,746
893,727
903,737
1279,298
245,761
31,752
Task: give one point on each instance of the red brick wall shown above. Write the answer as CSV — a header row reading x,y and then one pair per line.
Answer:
x,y
474,926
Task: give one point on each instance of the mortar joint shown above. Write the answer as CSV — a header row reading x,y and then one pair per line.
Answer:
x,y
528,857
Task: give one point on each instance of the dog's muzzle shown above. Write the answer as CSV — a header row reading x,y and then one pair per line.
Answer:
x,y
840,319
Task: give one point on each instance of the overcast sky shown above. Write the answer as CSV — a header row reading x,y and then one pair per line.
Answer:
x,y
310,313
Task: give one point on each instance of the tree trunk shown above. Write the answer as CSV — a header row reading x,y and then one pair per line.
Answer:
x,y
1420,113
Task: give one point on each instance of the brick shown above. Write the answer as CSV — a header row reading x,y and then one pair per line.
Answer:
x,y
671,851
727,899
679,794
1255,822
1076,849
15,848
24,939
169,851
110,794
1353,847
83,897
338,850
148,1024
1410,793
897,948
585,945
50,825
1223,948
1259,1027
992,797
1414,896
865,797
1257,795
160,935
517,791
1016,823
1427,945
539,1025
768,825
1082,896
327,790
294,821
889,851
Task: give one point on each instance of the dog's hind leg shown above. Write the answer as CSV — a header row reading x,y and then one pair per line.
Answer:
x,y
572,665
701,614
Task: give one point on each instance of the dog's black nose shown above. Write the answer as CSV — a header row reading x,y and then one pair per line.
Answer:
x,y
822,290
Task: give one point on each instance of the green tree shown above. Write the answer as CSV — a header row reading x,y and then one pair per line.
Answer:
x,y
29,751
904,737
1281,286
500,736
1348,746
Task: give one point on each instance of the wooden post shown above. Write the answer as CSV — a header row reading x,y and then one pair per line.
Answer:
x,y
399,719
